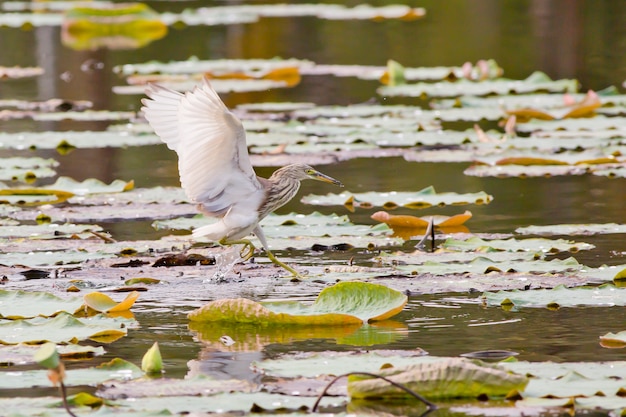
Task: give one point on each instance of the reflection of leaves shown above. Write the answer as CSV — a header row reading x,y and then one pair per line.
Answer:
x,y
113,26
252,338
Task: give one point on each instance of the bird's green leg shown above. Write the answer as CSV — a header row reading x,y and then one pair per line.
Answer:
x,y
281,264
246,252
261,236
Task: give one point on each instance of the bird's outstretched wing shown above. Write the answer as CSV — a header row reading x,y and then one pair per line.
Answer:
x,y
213,162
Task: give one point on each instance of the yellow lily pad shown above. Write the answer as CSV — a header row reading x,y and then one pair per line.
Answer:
x,y
105,304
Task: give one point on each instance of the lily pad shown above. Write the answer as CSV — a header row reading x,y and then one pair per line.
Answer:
x,y
103,303
22,354
28,304
63,328
27,169
82,140
535,82
477,244
115,370
424,198
343,303
449,378
560,296
573,229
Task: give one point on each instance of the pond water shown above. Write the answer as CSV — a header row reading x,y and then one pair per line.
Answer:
x,y
585,40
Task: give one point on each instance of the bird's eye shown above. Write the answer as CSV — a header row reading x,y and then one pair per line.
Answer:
x,y
310,172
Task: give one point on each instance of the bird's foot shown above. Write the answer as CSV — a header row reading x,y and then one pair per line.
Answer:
x,y
246,251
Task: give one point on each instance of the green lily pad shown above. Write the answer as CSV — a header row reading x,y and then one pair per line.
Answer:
x,y
90,186
114,370
314,364
26,169
81,140
542,245
343,303
22,354
560,296
28,304
424,198
449,378
47,231
573,229
63,328
483,265
535,82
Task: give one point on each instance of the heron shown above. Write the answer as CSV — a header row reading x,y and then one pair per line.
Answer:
x,y
215,168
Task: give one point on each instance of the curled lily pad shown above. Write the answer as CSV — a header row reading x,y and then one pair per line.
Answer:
x,y
448,378
613,340
103,303
343,303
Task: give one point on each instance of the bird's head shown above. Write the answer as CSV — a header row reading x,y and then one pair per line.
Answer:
x,y
302,172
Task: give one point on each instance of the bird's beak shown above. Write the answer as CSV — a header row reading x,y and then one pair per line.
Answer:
x,y
324,178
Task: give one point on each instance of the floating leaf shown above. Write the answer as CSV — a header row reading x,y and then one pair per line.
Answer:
x,y
314,364
475,243
537,81
70,139
448,378
613,340
63,328
21,354
103,303
26,304
560,296
572,229
427,197
407,226
343,303
90,186
142,280
117,370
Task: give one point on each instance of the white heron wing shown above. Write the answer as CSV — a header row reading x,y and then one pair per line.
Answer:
x,y
213,162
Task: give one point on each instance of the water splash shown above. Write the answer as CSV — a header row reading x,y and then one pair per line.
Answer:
x,y
224,263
